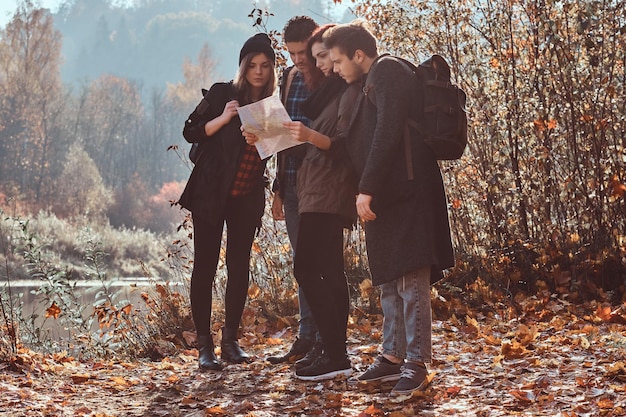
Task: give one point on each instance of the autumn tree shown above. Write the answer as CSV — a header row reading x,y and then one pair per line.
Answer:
x,y
196,76
544,172
80,189
31,104
181,98
109,126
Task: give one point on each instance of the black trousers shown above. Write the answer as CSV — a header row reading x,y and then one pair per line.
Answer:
x,y
318,268
242,218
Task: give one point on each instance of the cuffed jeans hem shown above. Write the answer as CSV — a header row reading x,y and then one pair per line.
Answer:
x,y
394,354
407,358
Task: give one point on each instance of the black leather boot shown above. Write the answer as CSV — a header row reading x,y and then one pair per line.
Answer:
x,y
231,351
207,361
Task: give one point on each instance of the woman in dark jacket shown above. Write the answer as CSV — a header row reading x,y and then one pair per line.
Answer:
x,y
327,186
226,185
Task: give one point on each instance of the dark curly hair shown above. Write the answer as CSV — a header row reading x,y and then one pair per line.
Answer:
x,y
299,29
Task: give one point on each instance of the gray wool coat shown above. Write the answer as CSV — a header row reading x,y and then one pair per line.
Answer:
x,y
411,229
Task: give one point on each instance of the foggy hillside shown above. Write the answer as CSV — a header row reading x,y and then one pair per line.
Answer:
x,y
148,42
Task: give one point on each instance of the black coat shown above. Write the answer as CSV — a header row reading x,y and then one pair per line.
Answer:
x,y
212,177
411,229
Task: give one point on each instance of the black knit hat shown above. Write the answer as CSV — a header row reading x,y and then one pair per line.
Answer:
x,y
258,43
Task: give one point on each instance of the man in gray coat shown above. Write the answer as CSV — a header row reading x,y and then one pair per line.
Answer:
x,y
406,220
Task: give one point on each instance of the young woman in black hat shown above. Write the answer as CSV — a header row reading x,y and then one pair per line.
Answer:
x,y
227,185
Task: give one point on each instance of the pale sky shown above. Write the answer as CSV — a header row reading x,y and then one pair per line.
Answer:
x,y
8,7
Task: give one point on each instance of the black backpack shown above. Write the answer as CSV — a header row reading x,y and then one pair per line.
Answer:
x,y
201,108
440,119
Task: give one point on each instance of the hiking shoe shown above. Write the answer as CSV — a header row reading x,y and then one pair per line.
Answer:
x,y
381,370
310,357
299,348
412,378
325,367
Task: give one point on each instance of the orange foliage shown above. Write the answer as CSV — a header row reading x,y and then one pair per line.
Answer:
x,y
617,187
53,311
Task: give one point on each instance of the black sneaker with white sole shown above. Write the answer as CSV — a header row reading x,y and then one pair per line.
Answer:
x,y
310,357
325,367
413,378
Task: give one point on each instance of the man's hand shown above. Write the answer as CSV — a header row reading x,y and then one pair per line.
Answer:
x,y
278,212
363,202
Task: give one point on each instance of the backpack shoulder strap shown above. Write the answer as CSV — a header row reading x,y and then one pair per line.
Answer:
x,y
289,73
369,91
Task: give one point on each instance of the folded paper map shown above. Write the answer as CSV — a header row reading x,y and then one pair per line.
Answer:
x,y
265,119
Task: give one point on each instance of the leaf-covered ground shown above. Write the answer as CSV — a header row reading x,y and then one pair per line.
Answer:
x,y
545,358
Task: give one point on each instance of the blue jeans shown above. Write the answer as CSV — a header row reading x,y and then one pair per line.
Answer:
x,y
308,329
408,317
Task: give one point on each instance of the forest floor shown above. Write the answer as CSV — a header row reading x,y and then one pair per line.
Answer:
x,y
546,357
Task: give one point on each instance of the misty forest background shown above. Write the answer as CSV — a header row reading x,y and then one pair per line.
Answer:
x,y
93,98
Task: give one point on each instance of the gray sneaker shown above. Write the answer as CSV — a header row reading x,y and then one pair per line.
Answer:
x,y
381,371
412,378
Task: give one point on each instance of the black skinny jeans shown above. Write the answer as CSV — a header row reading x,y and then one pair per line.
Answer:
x,y
318,268
241,217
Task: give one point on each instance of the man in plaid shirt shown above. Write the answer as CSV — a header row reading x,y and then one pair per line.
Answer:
x,y
295,88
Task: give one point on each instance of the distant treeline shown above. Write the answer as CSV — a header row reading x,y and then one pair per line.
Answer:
x,y
148,42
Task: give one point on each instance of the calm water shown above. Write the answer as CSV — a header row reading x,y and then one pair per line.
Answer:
x,y
87,292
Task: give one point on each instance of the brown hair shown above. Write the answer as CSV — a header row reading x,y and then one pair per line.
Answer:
x,y
349,37
316,37
242,86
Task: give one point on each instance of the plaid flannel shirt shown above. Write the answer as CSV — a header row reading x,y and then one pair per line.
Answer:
x,y
298,93
250,170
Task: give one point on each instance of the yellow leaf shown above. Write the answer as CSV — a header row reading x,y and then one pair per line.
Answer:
x,y
492,340
605,403
119,381
253,291
617,188
512,350
214,411
372,410
524,396
366,288
53,311
80,378
584,343
525,335
604,312
539,125
551,124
